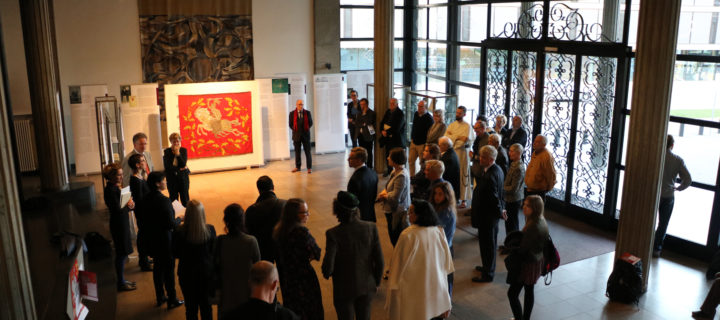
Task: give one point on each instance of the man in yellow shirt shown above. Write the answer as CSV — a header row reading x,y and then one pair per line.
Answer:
x,y
540,174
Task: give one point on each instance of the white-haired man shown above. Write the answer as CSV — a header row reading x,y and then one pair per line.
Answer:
x,y
452,164
487,209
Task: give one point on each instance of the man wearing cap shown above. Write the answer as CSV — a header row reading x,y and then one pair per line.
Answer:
x,y
363,183
353,258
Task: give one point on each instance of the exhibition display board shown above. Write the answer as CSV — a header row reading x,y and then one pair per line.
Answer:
x,y
330,113
142,114
275,109
85,128
220,123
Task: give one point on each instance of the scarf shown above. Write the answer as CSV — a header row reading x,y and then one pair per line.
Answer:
x,y
306,126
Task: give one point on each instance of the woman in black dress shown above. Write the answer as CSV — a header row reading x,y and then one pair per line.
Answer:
x,y
139,189
176,170
193,244
119,222
296,247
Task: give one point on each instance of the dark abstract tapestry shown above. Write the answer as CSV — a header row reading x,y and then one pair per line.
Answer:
x,y
197,48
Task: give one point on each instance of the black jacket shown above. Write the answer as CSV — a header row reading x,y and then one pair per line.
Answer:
x,y
300,133
160,223
397,134
260,220
195,260
420,127
174,171
363,184
362,123
452,169
520,137
487,201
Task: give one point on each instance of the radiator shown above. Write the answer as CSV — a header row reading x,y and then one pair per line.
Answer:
x,y
25,141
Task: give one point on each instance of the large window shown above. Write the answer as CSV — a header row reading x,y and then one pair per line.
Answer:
x,y
357,34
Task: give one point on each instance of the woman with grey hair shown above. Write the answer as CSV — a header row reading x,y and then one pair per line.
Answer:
x,y
438,128
513,186
396,195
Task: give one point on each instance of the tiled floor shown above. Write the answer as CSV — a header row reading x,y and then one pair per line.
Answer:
x,y
677,285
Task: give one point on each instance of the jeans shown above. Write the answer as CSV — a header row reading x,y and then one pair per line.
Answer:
x,y
664,212
120,268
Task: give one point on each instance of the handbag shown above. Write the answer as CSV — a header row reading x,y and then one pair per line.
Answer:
x,y
551,260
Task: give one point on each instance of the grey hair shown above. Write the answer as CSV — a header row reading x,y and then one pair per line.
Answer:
x,y
440,113
436,166
493,138
517,147
544,139
503,117
444,140
488,151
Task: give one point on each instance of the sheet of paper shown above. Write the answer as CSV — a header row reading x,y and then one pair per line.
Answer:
x,y
125,196
179,209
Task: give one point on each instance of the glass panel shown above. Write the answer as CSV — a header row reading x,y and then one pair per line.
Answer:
x,y
436,85
434,1
470,98
470,64
691,215
621,183
579,21
592,148
557,113
398,55
523,92
421,57
698,148
354,23
438,23
420,82
421,32
358,2
356,55
398,77
517,20
694,92
473,23
399,23
437,62
496,88
625,139
399,3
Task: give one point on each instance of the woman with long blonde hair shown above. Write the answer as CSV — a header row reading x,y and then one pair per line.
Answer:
x,y
193,245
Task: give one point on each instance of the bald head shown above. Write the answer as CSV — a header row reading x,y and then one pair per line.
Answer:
x,y
299,104
539,143
393,104
444,143
263,281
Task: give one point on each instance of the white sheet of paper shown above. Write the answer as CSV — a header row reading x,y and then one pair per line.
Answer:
x,y
125,196
179,209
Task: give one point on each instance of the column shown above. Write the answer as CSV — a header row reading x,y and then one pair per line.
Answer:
x,y
16,295
39,35
654,66
383,60
327,35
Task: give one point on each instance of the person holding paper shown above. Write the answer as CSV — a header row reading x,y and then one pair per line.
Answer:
x,y
139,188
161,223
119,222
365,126
393,131
300,122
353,109
140,145
176,170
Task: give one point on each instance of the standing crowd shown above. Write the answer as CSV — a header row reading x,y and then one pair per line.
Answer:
x,y
268,246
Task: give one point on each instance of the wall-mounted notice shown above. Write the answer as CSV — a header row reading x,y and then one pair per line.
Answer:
x,y
330,118
84,127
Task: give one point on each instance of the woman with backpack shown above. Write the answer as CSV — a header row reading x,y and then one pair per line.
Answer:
x,y
529,257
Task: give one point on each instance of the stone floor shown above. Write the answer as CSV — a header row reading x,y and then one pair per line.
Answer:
x,y
676,287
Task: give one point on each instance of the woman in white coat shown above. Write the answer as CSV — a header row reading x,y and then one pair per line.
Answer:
x,y
422,253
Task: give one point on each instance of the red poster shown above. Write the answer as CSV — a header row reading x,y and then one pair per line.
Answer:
x,y
216,125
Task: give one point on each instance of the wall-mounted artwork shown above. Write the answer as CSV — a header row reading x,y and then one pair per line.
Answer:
x,y
196,48
216,125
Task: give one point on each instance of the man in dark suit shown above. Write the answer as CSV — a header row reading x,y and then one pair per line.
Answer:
x,y
451,162
353,258
300,121
516,135
365,127
487,208
394,132
262,216
353,109
160,225
262,304
363,183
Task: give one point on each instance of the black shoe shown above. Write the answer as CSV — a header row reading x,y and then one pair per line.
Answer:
x,y
174,304
479,268
482,279
702,315
132,283
161,301
126,287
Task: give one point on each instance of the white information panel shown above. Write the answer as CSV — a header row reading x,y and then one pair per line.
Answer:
x,y
274,102
358,80
329,120
142,114
256,158
85,131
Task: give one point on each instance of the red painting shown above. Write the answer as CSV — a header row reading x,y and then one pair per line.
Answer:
x,y
216,125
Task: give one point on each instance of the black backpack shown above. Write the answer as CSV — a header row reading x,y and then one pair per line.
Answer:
x,y
625,282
